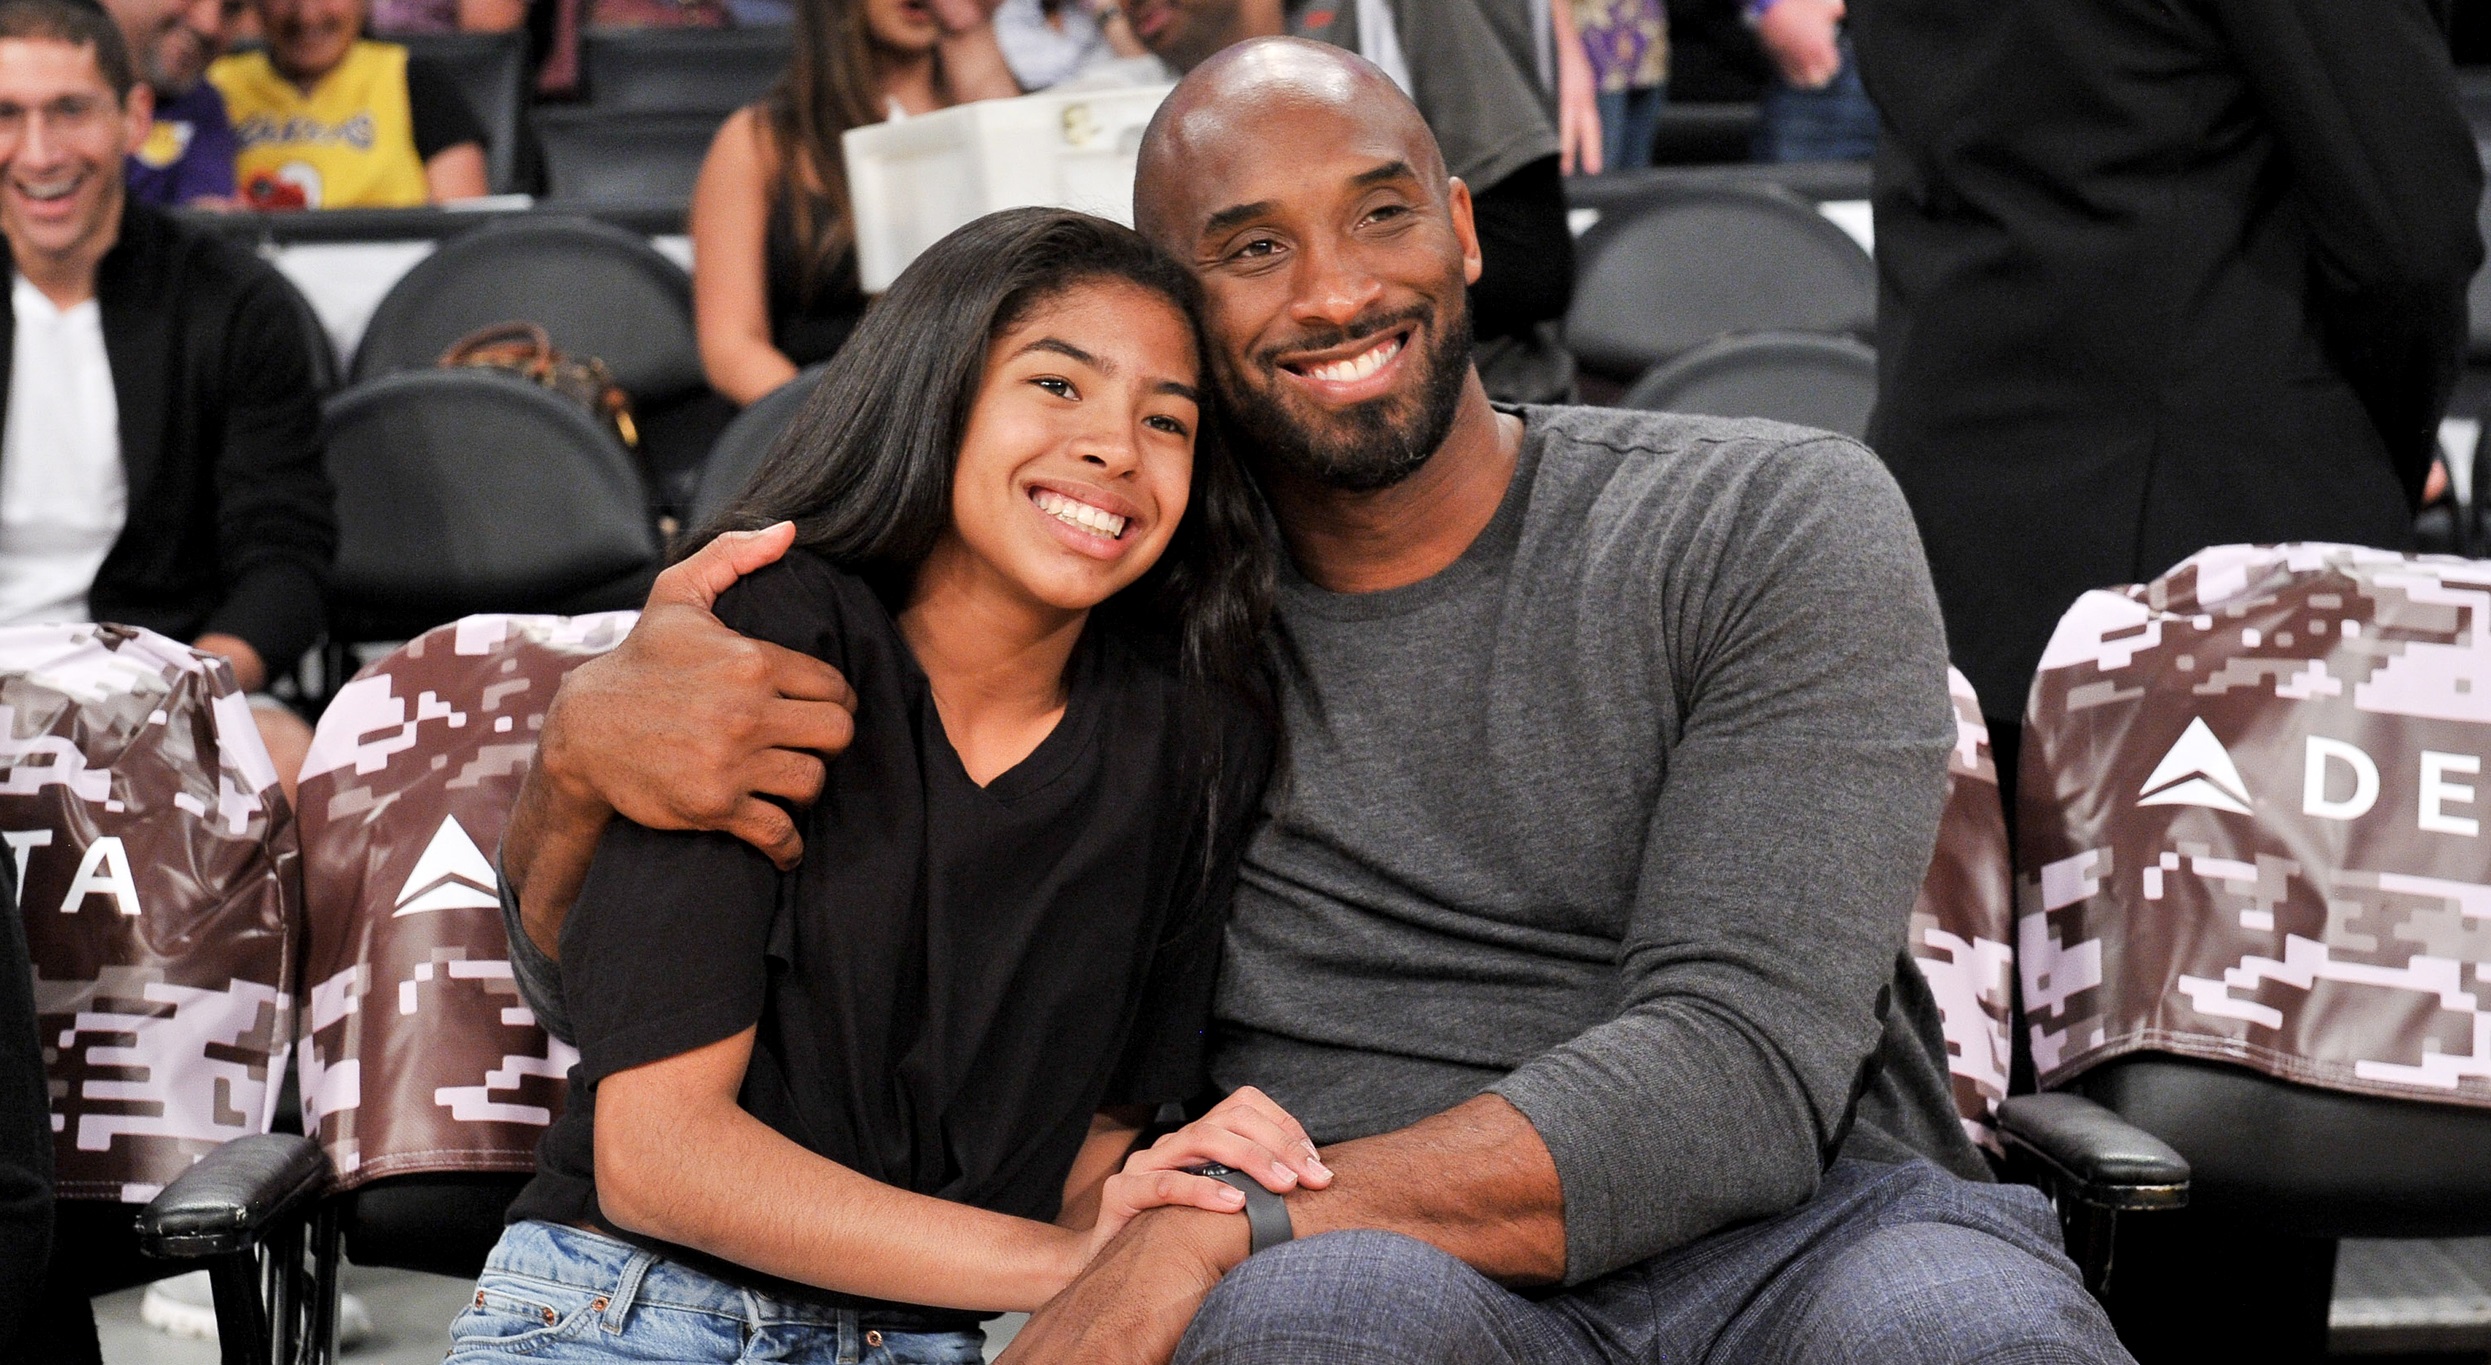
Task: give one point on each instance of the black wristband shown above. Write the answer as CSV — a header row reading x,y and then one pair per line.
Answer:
x,y
1267,1214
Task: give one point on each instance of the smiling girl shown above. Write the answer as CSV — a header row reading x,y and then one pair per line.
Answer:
x,y
857,1107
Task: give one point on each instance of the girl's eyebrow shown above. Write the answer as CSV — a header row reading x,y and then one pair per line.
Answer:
x,y
1059,346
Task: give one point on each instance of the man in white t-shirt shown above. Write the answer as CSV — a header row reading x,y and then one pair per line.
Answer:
x,y
159,445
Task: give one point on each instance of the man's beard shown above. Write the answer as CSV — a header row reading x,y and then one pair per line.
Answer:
x,y
1372,445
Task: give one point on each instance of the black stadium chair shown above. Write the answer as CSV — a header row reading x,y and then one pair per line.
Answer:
x,y
1812,381
745,443
464,491
492,73
1663,276
680,70
599,291
596,157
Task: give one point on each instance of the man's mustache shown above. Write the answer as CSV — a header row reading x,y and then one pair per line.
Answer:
x,y
1325,338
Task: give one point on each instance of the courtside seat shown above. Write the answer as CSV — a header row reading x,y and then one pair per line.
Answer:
x,y
161,894
2256,916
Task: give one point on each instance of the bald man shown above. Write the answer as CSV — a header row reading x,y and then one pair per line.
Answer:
x,y
1574,932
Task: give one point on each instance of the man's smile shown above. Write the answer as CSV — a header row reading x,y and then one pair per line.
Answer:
x,y
1353,372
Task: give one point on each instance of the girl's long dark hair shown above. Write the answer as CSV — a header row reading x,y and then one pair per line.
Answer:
x,y
830,86
865,469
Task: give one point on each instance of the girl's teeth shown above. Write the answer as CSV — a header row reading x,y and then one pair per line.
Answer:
x,y
1074,512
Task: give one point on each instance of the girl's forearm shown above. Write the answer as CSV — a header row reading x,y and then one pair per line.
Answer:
x,y
727,1184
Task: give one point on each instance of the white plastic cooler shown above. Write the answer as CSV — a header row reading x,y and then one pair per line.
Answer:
x,y
912,180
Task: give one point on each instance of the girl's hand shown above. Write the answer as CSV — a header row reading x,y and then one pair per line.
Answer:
x,y
1245,1132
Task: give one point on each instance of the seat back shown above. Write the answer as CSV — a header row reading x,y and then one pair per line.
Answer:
x,y
419,1056
2250,825
1661,276
1825,382
1960,921
472,490
596,289
596,157
681,70
159,883
491,70
745,443
316,340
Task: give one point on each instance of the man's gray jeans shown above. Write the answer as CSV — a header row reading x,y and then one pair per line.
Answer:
x,y
1888,1263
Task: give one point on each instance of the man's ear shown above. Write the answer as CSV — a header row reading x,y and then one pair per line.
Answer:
x,y
140,107
1465,230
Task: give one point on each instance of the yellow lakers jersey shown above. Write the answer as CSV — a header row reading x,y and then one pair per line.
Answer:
x,y
347,144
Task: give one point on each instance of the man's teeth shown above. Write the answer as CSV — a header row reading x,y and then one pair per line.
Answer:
x,y
48,192
1356,367
1077,513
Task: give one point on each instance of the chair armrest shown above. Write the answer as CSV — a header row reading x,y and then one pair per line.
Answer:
x,y
233,1196
2087,1153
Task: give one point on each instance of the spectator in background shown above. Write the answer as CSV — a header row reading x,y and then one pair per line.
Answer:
x,y
159,444
1816,109
2157,276
1627,45
1472,68
396,17
328,119
1048,42
188,157
774,283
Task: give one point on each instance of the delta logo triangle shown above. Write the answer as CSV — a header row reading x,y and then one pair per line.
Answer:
x,y
2197,772
452,875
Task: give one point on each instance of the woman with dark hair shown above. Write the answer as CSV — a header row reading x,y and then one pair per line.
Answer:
x,y
774,285
859,1106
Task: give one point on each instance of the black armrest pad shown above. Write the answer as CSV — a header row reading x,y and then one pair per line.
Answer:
x,y
2093,1155
231,1196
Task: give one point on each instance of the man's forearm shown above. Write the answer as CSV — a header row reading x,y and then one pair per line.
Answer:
x,y
1475,1181
546,850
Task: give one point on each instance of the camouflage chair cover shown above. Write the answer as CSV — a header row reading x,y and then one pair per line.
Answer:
x,y
419,1055
160,891
1959,923
2252,823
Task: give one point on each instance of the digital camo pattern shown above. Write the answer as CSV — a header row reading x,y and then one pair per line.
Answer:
x,y
2252,812
1959,923
156,866
419,1054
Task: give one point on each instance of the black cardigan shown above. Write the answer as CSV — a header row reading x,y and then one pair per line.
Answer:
x,y
232,523
2157,275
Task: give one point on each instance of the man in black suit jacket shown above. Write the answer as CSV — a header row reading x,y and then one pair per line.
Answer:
x,y
2156,275
226,524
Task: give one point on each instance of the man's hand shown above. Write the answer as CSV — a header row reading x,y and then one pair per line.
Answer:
x,y
685,725
688,725
1133,1304
1799,35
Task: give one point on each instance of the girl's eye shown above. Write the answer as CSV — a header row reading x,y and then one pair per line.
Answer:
x,y
1060,387
1167,424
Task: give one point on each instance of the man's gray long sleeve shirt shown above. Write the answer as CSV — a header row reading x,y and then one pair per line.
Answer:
x,y
1619,817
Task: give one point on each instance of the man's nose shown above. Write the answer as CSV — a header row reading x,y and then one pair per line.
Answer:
x,y
1334,287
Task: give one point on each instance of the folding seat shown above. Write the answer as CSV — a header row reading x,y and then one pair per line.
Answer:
x,y
1665,272
681,70
469,490
594,156
425,1079
159,885
597,290
491,70
1826,382
2254,916
745,443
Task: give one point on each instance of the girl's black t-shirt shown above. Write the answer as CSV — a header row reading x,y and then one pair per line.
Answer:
x,y
956,978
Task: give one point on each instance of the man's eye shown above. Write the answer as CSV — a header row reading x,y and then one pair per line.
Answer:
x,y
1260,246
